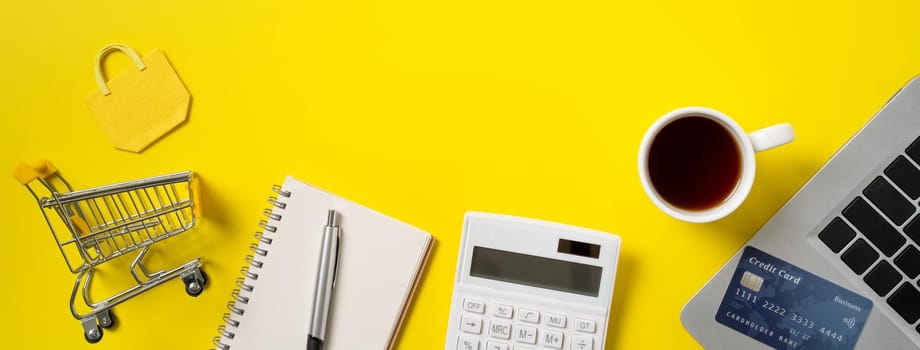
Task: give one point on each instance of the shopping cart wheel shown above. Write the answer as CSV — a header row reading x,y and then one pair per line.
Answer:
x,y
106,319
93,335
91,330
195,282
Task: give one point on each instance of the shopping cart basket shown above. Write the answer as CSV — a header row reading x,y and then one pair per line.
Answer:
x,y
94,226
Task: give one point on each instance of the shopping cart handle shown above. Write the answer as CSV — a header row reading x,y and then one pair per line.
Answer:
x,y
194,186
41,168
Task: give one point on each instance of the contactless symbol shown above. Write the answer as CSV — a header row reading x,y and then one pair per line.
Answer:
x,y
850,322
751,281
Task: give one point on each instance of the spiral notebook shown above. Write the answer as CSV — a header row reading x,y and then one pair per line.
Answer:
x,y
380,264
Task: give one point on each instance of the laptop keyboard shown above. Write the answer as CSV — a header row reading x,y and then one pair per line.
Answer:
x,y
877,235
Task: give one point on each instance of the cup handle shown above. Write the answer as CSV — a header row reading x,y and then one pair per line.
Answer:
x,y
772,136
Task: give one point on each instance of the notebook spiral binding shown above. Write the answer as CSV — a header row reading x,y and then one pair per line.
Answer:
x,y
239,297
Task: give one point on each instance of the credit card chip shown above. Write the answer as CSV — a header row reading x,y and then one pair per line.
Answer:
x,y
751,281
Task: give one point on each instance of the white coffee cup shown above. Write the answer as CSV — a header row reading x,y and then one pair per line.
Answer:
x,y
686,163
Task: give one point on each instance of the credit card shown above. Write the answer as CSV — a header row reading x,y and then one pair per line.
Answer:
x,y
786,307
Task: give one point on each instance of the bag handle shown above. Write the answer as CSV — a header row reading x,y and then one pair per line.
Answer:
x,y
100,79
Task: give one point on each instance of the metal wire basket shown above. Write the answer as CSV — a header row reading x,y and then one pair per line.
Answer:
x,y
94,226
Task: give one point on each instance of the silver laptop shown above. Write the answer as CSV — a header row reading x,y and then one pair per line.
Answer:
x,y
837,267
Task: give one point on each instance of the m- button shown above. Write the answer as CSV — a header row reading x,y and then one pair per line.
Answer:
x,y
473,305
524,334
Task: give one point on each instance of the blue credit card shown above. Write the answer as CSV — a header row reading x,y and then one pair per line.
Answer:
x,y
786,307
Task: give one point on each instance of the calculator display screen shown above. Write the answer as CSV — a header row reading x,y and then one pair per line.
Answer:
x,y
536,271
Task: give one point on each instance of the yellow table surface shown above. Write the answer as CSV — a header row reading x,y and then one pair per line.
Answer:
x,y
424,110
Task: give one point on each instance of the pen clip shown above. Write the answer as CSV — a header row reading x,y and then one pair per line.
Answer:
x,y
338,253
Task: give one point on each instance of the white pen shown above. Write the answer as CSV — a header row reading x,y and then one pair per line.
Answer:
x,y
325,280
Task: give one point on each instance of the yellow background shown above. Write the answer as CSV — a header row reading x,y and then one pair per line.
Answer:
x,y
424,110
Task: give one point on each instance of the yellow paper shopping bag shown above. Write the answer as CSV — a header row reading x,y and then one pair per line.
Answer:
x,y
140,105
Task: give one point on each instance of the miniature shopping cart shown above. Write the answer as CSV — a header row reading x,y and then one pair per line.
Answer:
x,y
95,226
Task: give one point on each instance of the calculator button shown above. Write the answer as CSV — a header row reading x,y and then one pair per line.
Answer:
x,y
467,343
516,347
503,311
471,324
496,346
552,339
473,305
499,329
526,335
584,325
554,320
582,343
528,315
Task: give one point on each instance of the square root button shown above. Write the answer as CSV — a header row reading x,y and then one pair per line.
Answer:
x,y
528,315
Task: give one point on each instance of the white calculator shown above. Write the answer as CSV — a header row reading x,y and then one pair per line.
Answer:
x,y
525,284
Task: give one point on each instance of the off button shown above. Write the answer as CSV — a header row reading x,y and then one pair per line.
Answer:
x,y
473,305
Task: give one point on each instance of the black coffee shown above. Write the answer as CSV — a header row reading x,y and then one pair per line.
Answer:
x,y
694,163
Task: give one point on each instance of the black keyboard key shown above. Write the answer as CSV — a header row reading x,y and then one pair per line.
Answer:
x,y
909,261
882,278
906,301
889,200
914,150
913,229
860,256
837,235
874,226
905,175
